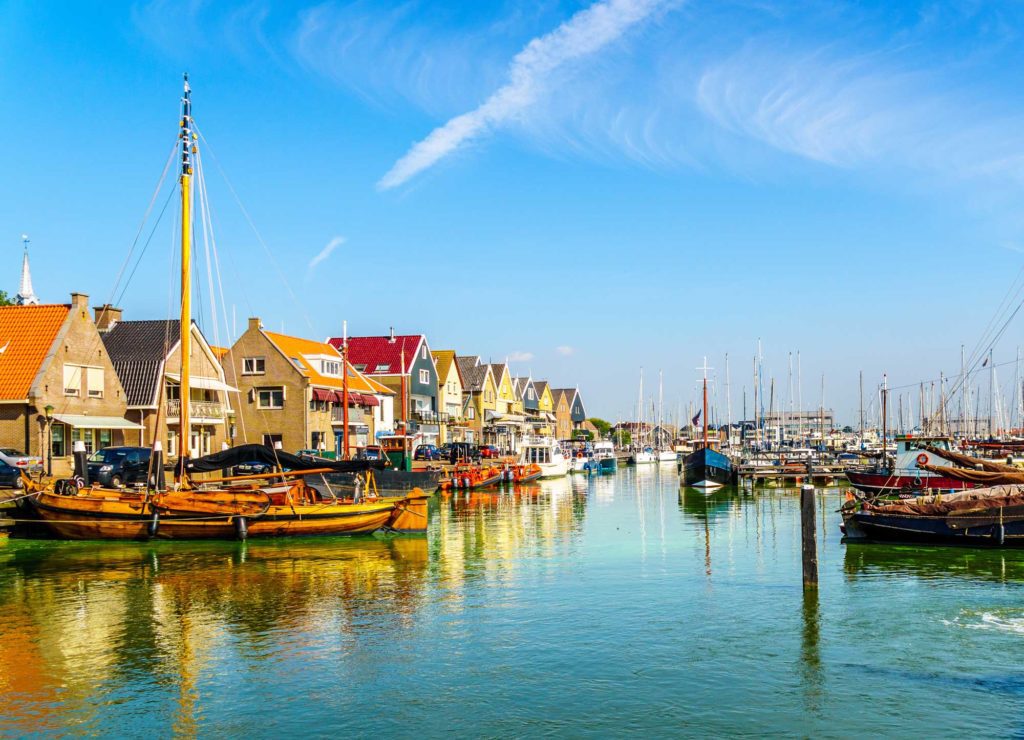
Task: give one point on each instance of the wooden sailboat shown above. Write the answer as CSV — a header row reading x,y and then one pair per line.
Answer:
x,y
706,467
275,504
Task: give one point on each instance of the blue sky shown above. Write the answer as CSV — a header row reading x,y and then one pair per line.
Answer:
x,y
587,187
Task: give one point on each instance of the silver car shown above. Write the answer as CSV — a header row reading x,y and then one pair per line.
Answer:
x,y
18,459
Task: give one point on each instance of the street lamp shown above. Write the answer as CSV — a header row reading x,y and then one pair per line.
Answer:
x,y
48,410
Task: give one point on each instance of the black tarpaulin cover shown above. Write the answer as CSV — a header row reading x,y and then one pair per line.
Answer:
x,y
243,454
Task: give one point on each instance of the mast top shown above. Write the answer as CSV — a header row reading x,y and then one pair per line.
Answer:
x,y
188,147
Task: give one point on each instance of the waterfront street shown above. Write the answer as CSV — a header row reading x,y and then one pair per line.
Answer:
x,y
578,607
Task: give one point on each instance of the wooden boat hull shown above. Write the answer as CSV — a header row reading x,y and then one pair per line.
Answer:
x,y
91,517
974,531
707,468
882,484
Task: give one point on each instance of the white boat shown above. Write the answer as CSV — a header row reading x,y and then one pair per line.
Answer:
x,y
545,452
644,456
604,454
667,456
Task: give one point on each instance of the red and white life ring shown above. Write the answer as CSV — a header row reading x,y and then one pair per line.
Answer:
x,y
922,459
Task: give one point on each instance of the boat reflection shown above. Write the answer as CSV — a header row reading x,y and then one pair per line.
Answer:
x,y
710,506
82,616
938,563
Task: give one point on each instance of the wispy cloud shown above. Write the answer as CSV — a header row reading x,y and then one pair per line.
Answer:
x,y
519,356
323,254
565,350
584,34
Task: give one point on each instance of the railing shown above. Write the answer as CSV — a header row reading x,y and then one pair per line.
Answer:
x,y
355,416
197,409
431,417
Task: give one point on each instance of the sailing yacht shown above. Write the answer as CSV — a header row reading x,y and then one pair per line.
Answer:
x,y
643,454
706,467
282,502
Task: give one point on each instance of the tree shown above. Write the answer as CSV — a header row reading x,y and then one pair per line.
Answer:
x,y
602,426
5,300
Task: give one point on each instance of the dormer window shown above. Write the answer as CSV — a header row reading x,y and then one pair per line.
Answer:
x,y
382,368
329,367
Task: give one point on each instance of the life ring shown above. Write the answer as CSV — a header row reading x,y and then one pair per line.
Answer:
x,y
579,455
922,459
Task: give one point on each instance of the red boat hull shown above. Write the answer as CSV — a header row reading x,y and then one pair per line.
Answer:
x,y
882,483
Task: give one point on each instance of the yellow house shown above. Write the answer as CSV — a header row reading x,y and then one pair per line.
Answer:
x,y
449,396
563,413
545,406
508,400
479,395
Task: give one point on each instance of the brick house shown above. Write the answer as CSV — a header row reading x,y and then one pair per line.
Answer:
x,y
290,391
147,358
57,383
570,414
404,364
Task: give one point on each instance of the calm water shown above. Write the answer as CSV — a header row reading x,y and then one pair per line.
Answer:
x,y
577,608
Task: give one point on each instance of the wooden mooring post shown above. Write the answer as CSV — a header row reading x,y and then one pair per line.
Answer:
x,y
808,536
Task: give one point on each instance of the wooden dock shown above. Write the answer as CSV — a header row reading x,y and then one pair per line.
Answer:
x,y
790,474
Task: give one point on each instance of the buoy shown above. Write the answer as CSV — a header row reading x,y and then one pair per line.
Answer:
x,y
241,528
154,524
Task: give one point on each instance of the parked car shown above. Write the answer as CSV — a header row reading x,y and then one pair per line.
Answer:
x,y
117,466
445,450
18,459
489,451
252,468
10,476
426,452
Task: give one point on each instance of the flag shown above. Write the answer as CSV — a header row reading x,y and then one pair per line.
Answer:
x,y
694,420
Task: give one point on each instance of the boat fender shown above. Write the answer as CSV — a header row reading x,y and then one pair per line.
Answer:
x,y
1000,534
154,524
241,528
922,459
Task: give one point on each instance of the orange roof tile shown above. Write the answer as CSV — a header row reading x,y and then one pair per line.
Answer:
x,y
219,352
296,349
26,335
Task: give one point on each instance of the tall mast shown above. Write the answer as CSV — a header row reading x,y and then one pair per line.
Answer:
x,y
188,149
344,389
728,404
640,410
704,426
862,409
757,421
661,413
991,392
885,414
799,396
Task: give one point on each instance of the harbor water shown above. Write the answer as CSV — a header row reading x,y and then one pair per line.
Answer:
x,y
576,607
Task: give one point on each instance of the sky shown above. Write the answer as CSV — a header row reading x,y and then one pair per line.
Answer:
x,y
585,188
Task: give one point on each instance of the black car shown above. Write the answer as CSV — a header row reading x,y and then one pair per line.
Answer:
x,y
117,466
10,476
463,452
426,452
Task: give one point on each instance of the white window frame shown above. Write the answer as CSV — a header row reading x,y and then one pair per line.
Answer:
x,y
258,366
424,376
94,374
269,390
72,382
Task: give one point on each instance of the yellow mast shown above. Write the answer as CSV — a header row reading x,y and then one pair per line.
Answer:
x,y
187,150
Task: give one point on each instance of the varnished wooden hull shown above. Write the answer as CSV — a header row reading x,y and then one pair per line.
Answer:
x,y
132,518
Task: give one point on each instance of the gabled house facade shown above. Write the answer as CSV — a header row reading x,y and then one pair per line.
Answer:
x,y
147,358
291,393
406,366
57,384
545,409
479,396
570,413
449,397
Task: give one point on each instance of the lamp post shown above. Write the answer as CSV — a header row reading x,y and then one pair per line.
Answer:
x,y
48,410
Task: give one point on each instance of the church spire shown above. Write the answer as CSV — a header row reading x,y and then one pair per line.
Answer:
x,y
25,295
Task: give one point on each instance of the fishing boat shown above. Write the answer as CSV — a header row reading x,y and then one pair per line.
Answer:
x,y
908,475
988,517
604,453
706,467
546,453
278,503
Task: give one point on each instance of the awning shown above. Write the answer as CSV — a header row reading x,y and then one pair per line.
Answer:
x,y
319,394
84,421
209,384
497,418
369,400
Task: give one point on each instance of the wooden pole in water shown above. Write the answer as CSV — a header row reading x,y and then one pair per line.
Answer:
x,y
808,536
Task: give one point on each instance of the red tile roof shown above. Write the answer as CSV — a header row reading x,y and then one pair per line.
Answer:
x,y
376,352
26,335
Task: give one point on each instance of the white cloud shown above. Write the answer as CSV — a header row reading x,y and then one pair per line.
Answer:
x,y
585,33
565,350
324,253
519,356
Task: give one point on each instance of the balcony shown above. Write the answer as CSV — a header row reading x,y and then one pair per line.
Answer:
x,y
196,409
356,415
431,417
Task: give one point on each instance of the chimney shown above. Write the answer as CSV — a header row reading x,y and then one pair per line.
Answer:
x,y
80,300
392,339
254,323
107,317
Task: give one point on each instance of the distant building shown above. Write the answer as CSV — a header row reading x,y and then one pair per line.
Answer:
x,y
26,296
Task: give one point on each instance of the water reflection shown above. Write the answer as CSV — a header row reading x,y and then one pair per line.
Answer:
x,y
82,619
946,563
810,652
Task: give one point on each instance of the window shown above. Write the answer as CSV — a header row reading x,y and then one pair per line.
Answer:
x,y
94,382
423,352
471,413
254,366
270,398
529,394
103,438
297,362
172,443
360,367
82,435
57,448
424,376
329,367
272,440
382,368
317,441
72,380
